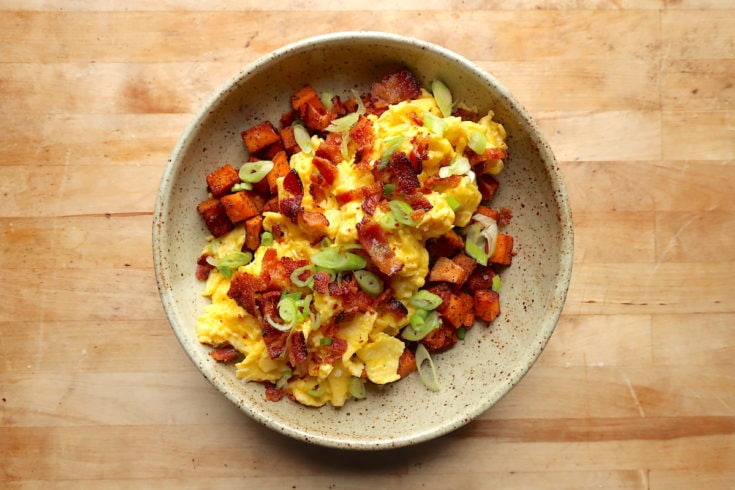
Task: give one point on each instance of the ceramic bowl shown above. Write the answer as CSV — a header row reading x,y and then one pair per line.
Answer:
x,y
478,371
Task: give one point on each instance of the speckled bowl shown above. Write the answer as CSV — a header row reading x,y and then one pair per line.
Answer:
x,y
490,361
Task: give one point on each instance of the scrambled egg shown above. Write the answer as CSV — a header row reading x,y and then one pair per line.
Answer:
x,y
373,349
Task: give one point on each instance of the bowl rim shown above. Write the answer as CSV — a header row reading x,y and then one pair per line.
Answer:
x,y
547,158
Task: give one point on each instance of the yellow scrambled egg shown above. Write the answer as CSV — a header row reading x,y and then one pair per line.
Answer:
x,y
373,349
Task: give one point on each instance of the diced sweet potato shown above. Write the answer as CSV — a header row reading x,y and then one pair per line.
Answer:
x,y
260,136
253,229
289,140
487,304
486,211
406,363
446,245
311,109
503,253
445,270
280,169
220,181
481,278
488,185
215,217
441,339
240,206
458,310
270,151
465,262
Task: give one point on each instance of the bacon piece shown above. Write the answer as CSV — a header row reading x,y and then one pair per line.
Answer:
x,y
315,224
328,354
436,183
318,187
290,206
371,202
488,185
393,88
374,240
363,137
418,203
225,353
326,168
243,288
267,304
446,245
293,185
273,272
466,114
203,267
272,393
404,176
419,152
393,306
298,354
488,155
331,148
275,340
321,282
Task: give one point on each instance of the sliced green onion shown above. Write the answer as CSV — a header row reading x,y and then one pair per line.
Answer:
x,y
388,189
283,327
453,203
301,135
317,392
475,244
338,261
327,99
358,100
459,166
266,239
422,323
284,378
388,222
426,300
369,282
497,285
228,264
343,148
325,341
477,142
391,144
254,172
342,124
443,97
402,212
242,186
288,310
430,378
461,333
357,388
434,123
296,276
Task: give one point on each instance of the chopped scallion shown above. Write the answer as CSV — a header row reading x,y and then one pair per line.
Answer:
x,y
461,333
402,212
453,203
434,123
228,264
317,392
357,388
369,282
344,123
296,276
254,172
326,98
388,189
429,377
335,260
266,239
301,135
443,97
425,299
391,144
242,186
497,285
477,142
325,341
422,323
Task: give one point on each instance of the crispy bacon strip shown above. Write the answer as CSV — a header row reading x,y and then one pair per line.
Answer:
x,y
403,173
298,354
326,168
375,242
363,136
291,205
224,353
393,88
243,288
275,340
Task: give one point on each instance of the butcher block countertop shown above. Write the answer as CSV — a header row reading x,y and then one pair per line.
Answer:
x,y
636,389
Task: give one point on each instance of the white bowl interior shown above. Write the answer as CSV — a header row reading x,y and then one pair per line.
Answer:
x,y
478,371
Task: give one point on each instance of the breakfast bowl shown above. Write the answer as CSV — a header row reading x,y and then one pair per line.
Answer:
x,y
490,359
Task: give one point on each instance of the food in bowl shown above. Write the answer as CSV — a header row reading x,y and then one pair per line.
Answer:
x,y
357,240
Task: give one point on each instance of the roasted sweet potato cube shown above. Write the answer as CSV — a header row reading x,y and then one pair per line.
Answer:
x,y
215,217
446,245
488,186
406,363
481,278
486,211
445,270
253,228
260,136
311,109
503,253
220,181
240,206
465,262
441,339
270,151
458,310
487,304
280,169
289,140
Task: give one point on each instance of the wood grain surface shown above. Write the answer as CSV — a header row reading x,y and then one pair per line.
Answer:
x,y
636,389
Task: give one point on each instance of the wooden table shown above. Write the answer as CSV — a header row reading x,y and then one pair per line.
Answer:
x,y
636,389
